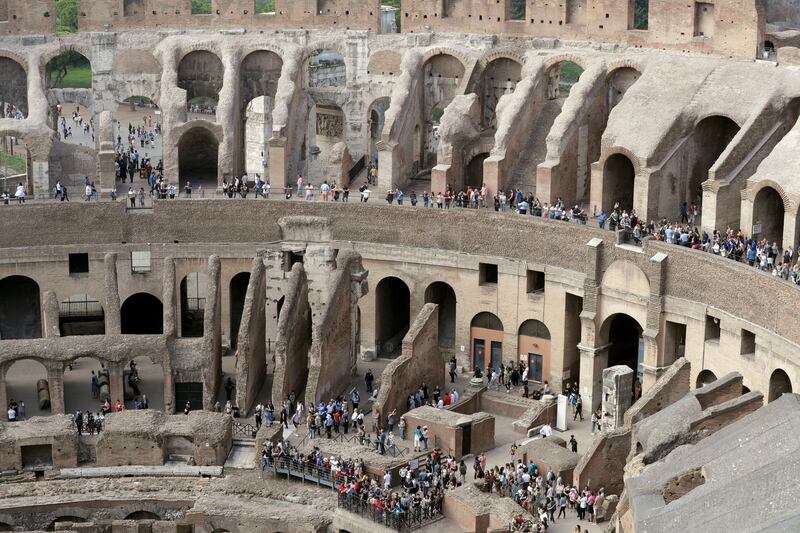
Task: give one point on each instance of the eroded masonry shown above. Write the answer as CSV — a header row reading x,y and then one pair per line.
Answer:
x,y
192,323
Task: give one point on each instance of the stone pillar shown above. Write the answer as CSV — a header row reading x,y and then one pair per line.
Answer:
x,y
227,116
212,335
708,220
111,295
617,394
106,175
170,299
789,228
653,363
3,392
55,382
116,383
169,389
593,361
746,215
173,110
50,326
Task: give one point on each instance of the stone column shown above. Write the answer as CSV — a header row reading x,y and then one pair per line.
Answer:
x,y
55,382
170,299
116,383
111,295
789,227
3,392
106,154
227,116
212,337
654,364
50,326
617,387
173,110
169,389
708,220
594,358
593,361
38,113
746,215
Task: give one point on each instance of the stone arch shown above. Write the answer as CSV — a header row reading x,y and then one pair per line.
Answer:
x,y
711,136
325,67
486,340
442,80
192,304
142,314
626,277
261,69
443,295
704,377
392,315
623,334
618,81
22,378
237,291
619,173
779,384
768,213
474,170
534,347
142,515
376,119
499,77
14,89
67,61
20,308
81,314
561,76
198,154
200,74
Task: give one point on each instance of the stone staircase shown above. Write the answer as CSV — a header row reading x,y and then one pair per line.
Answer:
x,y
242,454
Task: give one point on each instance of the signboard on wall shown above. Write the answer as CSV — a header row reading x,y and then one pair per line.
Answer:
x,y
757,228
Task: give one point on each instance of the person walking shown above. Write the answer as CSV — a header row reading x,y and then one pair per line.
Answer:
x,y
578,409
573,444
369,379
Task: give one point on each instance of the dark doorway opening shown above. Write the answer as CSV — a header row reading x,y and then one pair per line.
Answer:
x,y
142,314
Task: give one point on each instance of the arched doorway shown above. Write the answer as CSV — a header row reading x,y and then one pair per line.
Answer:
x,y
560,79
474,174
768,212
711,137
326,141
442,76
142,515
624,334
618,179
259,84
237,292
198,152
23,384
779,384
444,296
486,340
78,391
145,382
326,68
69,70
500,77
392,315
377,118
20,308
533,345
200,74
81,314
704,378
142,314
13,90
193,304
619,81
137,127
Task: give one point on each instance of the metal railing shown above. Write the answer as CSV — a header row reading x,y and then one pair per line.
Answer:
x,y
392,450
398,519
298,469
244,429
80,308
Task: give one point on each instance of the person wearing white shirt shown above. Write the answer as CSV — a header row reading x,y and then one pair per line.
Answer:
x,y
20,193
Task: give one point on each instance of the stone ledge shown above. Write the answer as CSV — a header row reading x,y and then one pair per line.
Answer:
x,y
141,471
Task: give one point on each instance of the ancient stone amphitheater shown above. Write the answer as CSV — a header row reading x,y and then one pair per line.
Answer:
x,y
597,103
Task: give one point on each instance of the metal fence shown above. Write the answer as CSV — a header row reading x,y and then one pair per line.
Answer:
x,y
407,520
244,429
80,308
